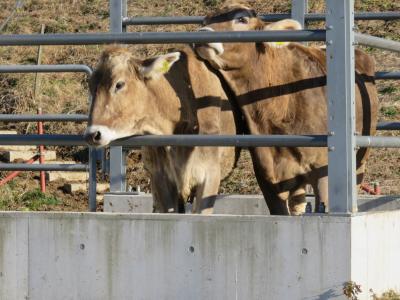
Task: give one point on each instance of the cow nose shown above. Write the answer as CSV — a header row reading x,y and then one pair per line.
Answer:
x,y
93,138
218,47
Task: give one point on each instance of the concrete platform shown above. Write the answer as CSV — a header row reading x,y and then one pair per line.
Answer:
x,y
68,176
235,204
8,132
18,148
168,256
77,186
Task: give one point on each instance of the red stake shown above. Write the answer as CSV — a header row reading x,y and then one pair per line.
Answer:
x,y
16,173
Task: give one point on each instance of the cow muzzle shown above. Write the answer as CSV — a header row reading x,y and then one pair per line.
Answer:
x,y
99,136
217,47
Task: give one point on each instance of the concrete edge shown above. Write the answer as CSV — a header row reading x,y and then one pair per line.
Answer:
x,y
171,217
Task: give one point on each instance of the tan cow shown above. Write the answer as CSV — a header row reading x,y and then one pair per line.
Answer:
x,y
162,95
282,90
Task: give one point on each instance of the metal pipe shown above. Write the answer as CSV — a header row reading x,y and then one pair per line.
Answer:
x,y
266,18
41,155
373,41
44,167
384,16
384,75
44,118
388,126
92,168
161,37
71,118
162,20
45,68
197,140
378,141
173,140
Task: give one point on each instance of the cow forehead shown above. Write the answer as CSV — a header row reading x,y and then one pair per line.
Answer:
x,y
114,65
115,62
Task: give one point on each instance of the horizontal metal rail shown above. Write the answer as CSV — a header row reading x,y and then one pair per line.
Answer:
x,y
378,141
45,69
160,37
384,16
376,42
266,18
388,126
173,140
44,167
84,118
198,140
44,118
384,75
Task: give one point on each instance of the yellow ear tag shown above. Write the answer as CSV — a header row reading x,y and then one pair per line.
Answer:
x,y
165,67
278,44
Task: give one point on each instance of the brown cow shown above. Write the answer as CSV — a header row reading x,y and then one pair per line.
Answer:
x,y
282,90
162,95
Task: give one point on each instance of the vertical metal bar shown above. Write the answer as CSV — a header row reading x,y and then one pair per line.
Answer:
x,y
117,169
299,9
118,9
116,15
341,106
92,179
124,13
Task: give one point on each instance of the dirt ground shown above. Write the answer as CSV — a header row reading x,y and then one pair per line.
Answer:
x,y
68,93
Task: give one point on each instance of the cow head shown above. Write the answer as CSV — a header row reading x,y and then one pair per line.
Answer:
x,y
237,17
121,102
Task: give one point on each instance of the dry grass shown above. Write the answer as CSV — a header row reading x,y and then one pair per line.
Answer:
x,y
67,93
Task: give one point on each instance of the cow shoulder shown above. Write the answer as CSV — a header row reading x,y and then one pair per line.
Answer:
x,y
209,96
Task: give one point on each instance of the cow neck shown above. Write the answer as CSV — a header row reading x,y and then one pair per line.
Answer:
x,y
258,91
177,97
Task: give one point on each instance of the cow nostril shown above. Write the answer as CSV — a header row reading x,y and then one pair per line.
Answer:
x,y
97,136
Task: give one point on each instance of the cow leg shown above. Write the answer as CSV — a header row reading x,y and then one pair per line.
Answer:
x,y
320,187
277,203
360,175
165,194
206,193
297,201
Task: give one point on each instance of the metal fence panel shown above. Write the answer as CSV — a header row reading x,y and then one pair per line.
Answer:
x,y
150,20
161,37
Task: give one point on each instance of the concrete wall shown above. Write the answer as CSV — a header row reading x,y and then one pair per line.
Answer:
x,y
224,204
375,251
235,204
122,256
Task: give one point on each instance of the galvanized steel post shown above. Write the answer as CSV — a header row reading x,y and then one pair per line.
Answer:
x,y
118,10
116,15
299,10
117,169
92,179
341,106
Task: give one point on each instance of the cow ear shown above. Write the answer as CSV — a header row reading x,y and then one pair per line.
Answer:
x,y
157,66
287,24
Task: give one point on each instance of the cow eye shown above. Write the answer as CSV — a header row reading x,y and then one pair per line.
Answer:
x,y
119,85
242,20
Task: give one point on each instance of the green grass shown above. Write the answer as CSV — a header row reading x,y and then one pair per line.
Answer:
x,y
389,111
388,90
12,199
35,200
